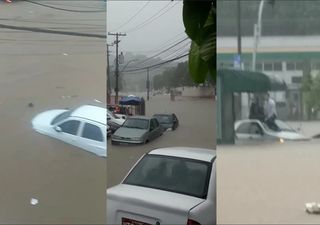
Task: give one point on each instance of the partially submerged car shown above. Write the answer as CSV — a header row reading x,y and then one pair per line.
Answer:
x,y
167,121
255,130
175,185
137,130
84,127
113,126
114,118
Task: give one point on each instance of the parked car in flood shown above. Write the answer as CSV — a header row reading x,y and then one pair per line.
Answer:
x,y
114,118
255,130
84,127
175,185
167,121
137,130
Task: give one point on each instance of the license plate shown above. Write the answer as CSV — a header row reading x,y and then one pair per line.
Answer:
x,y
126,221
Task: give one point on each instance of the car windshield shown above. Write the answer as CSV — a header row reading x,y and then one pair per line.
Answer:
x,y
179,175
281,125
61,117
136,123
164,118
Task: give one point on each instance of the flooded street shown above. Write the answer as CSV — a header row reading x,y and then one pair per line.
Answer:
x,y
49,71
268,184
196,129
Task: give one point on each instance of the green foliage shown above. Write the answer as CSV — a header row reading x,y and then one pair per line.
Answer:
x,y
312,93
199,21
173,77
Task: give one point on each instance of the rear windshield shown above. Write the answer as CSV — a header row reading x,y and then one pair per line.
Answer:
x,y
179,175
164,118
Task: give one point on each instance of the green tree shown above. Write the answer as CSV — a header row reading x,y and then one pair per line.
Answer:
x,y
199,21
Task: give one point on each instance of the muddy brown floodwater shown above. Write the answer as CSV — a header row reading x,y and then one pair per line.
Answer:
x,y
68,183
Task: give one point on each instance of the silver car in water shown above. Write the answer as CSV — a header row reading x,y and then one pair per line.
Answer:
x,y
175,185
137,130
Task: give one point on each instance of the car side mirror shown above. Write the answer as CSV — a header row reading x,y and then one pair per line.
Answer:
x,y
58,129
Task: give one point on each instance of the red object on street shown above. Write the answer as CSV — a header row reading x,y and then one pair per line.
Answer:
x,y
8,1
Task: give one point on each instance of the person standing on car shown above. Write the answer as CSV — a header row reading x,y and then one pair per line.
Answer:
x,y
270,112
256,110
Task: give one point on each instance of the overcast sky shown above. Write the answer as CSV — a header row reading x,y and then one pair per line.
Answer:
x,y
148,39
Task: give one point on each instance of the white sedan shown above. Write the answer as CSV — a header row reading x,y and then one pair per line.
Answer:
x,y
114,118
255,130
175,185
84,127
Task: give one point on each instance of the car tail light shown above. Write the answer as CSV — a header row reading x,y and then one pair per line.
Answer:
x,y
192,222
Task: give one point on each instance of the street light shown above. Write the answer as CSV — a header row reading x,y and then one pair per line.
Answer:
x,y
256,35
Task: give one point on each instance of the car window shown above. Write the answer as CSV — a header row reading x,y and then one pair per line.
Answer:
x,y
255,128
61,117
164,118
154,124
243,128
70,126
136,123
92,132
179,175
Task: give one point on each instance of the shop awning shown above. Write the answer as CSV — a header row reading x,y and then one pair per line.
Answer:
x,y
248,81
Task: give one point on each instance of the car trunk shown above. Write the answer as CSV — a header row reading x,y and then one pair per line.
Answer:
x,y
147,205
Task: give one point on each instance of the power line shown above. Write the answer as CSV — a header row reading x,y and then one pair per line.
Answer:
x,y
163,8
154,18
151,57
130,19
41,30
63,9
159,64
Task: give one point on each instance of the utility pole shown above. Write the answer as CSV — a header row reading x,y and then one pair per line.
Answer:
x,y
108,75
117,64
239,28
148,84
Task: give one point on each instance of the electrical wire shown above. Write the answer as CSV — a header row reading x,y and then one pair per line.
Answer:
x,y
165,50
63,9
153,19
130,19
159,64
150,18
42,30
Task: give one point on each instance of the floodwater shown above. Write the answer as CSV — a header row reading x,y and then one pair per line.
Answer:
x,y
196,129
50,71
268,183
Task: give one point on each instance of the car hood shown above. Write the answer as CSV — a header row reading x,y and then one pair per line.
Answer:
x,y
166,207
130,132
287,135
44,119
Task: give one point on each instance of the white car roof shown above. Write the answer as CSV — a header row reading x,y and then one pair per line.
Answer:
x,y
202,154
90,112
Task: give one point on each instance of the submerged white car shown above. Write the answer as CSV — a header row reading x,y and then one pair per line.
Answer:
x,y
255,130
175,185
114,118
84,127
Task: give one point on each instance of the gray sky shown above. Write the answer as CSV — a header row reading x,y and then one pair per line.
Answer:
x,y
151,38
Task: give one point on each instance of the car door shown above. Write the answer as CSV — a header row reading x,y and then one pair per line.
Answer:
x,y
155,128
152,131
67,131
255,131
93,138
